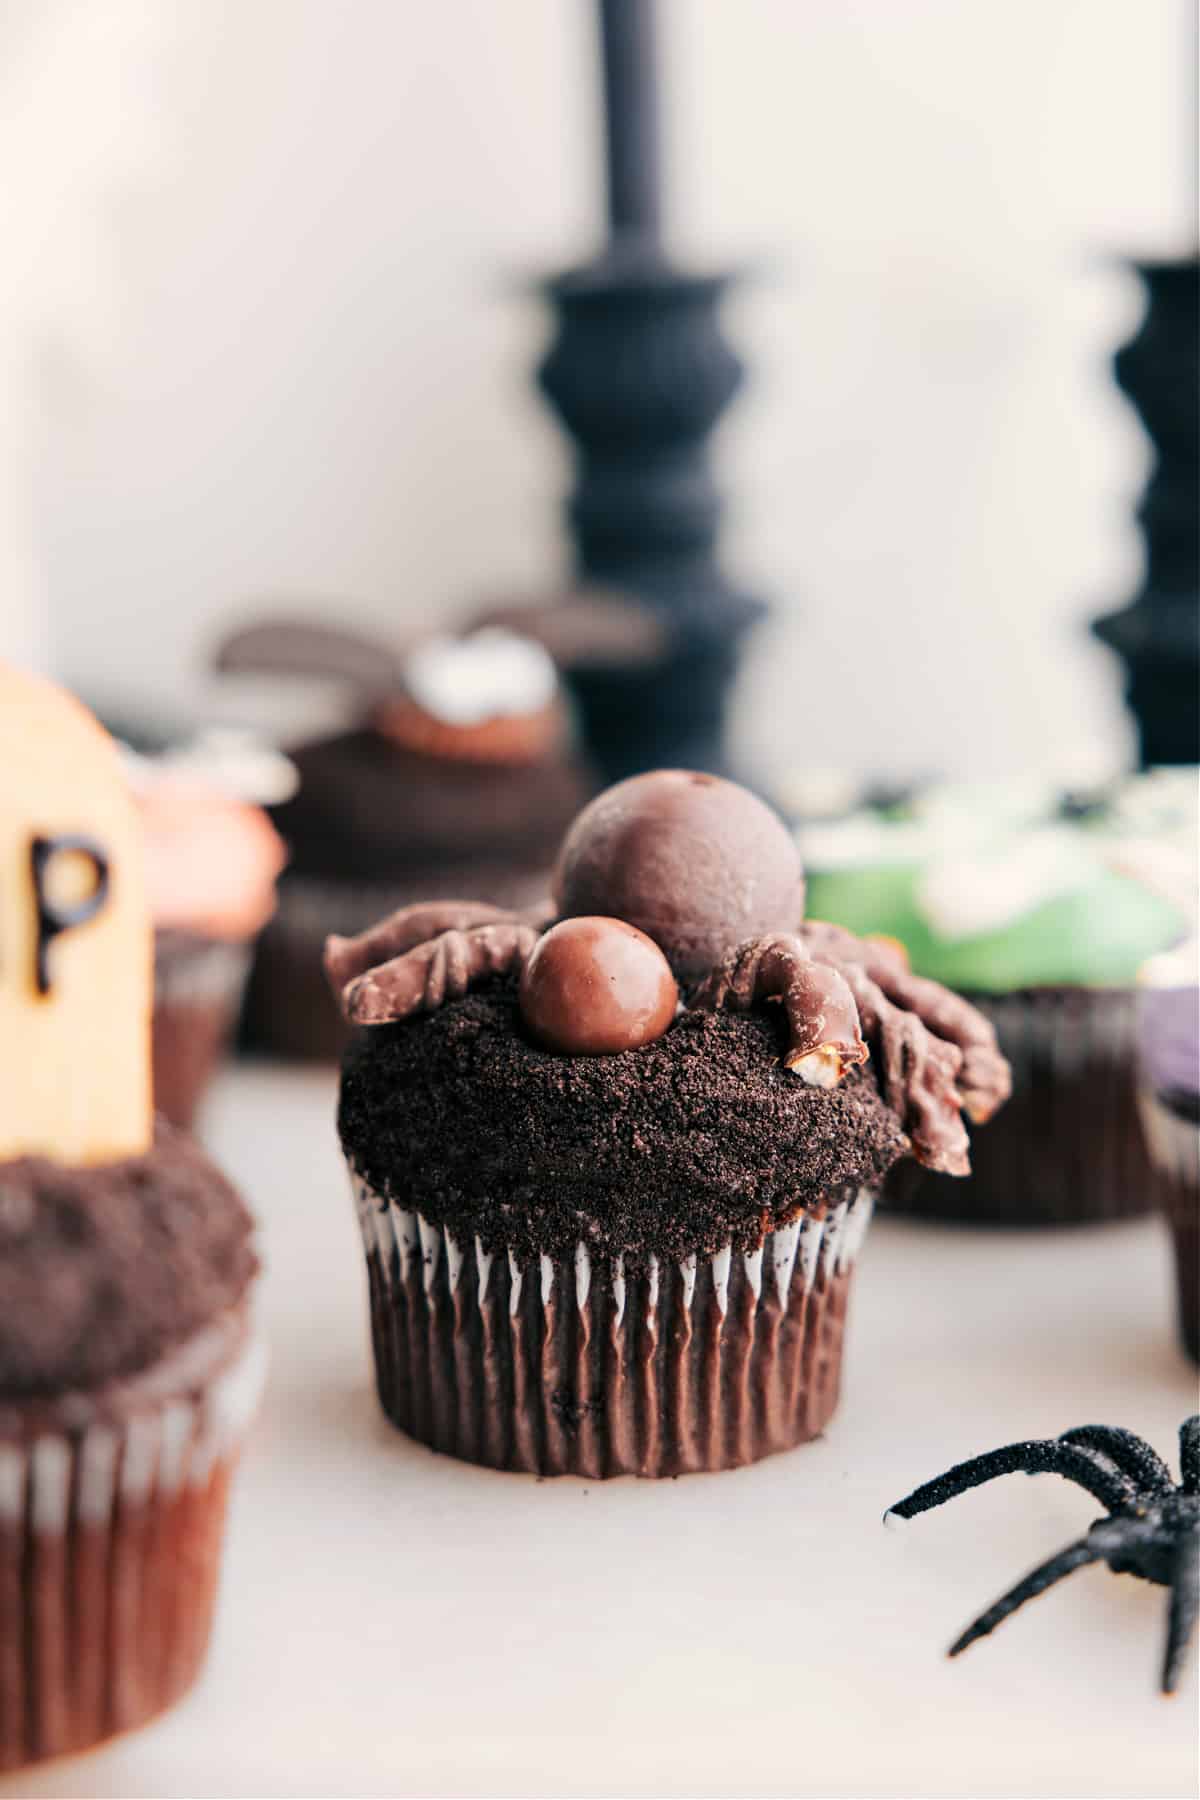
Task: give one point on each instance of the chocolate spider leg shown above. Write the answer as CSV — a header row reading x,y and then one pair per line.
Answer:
x,y
1182,1609
824,1036
918,1072
984,1078
346,958
1054,1569
444,968
1132,1455
1037,1456
1189,1454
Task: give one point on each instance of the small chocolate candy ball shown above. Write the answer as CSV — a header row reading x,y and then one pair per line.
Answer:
x,y
697,863
596,986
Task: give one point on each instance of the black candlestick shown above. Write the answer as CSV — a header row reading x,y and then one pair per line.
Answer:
x,y
628,44
1157,636
639,373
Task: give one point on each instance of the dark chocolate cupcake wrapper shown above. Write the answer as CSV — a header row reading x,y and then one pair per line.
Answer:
x,y
1068,1147
579,1366
110,1543
289,1009
198,988
1174,1145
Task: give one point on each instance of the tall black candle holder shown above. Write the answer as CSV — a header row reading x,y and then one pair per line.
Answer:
x,y
639,374
1157,635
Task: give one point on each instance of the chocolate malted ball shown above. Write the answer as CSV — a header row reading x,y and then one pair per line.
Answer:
x,y
595,986
697,863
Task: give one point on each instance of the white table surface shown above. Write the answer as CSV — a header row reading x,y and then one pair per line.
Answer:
x,y
395,1623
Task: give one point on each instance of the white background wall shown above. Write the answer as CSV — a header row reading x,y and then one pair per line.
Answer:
x,y
269,335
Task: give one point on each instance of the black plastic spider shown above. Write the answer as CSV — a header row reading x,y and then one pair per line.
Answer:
x,y
1153,1527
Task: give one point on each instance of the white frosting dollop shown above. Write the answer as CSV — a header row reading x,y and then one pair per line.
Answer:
x,y
968,898
491,674
863,840
986,855
1177,968
226,759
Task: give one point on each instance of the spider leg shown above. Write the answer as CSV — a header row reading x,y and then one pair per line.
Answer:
x,y
1182,1609
1189,1454
1037,1456
1035,1583
1128,1453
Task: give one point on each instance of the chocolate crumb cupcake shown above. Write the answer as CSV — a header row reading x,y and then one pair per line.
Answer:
x,y
613,1172
129,1372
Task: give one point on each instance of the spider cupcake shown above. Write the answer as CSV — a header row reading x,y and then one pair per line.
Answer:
x,y
613,1165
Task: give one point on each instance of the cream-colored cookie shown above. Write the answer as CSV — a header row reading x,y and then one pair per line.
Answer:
x,y
76,972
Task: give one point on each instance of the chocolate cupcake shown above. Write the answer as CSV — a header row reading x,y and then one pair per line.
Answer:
x,y
613,1172
129,1363
1169,1036
458,777
1039,907
212,860
129,1373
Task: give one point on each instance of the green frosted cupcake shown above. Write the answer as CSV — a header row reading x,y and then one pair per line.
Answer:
x,y
1042,907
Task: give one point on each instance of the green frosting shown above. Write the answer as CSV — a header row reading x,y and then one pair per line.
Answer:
x,y
1097,936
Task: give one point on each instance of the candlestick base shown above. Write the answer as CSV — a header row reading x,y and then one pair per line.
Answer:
x,y
639,374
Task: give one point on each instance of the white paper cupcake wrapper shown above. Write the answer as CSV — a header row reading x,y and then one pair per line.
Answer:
x,y
109,1552
579,1365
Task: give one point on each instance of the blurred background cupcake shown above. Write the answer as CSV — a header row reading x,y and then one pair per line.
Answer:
x,y
1169,1041
1040,905
457,775
212,859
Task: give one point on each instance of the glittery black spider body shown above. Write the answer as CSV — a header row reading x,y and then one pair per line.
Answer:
x,y
1152,1527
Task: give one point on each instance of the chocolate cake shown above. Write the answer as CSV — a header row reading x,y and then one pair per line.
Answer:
x,y
460,778
613,1171
129,1371
1039,900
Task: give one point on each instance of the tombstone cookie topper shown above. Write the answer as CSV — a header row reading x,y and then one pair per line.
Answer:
x,y
75,944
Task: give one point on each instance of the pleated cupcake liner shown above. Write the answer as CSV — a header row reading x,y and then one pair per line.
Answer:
x,y
110,1540
1174,1145
1068,1147
579,1365
198,987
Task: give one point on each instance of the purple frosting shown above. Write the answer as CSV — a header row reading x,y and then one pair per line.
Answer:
x,y
1169,1032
